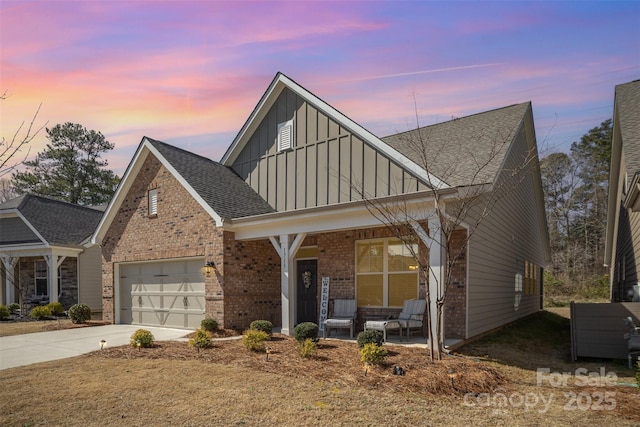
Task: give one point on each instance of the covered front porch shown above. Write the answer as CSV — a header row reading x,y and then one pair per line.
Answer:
x,y
33,276
322,253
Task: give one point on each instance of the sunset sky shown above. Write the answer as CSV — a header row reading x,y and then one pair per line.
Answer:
x,y
190,72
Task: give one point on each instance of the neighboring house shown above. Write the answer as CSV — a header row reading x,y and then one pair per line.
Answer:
x,y
44,253
598,330
283,205
622,248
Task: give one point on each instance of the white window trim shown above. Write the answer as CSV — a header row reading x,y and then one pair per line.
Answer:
x,y
385,271
286,140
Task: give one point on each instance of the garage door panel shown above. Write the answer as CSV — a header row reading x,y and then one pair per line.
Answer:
x,y
165,293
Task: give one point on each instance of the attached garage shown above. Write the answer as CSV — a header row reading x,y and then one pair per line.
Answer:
x,y
168,293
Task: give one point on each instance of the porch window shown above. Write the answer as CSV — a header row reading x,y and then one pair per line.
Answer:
x,y
41,275
387,273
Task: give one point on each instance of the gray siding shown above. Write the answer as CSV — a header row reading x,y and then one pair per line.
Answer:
x,y
499,247
597,330
90,278
328,164
627,255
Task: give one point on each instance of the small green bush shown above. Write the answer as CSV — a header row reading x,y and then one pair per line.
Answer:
x,y
56,308
370,336
372,354
209,324
4,312
308,348
142,336
262,325
14,307
40,312
305,330
201,339
254,340
79,313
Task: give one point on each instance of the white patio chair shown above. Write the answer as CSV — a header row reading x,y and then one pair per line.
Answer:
x,y
412,315
343,316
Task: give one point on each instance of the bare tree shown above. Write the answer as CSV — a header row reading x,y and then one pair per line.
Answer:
x,y
460,196
15,150
7,191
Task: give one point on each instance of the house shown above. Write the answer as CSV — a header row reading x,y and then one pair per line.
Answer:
x,y
260,234
622,245
44,253
598,330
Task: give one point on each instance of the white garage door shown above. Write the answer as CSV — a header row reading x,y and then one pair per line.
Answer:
x,y
163,293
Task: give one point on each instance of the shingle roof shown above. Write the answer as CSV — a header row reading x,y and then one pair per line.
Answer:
x,y
454,150
627,110
57,222
227,194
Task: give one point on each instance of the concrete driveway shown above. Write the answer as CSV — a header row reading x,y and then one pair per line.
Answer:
x,y
20,350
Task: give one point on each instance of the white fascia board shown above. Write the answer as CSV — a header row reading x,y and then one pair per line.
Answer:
x,y
41,250
185,184
123,188
328,218
280,82
127,181
32,228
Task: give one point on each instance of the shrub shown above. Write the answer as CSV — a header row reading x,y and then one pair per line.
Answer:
x,y
370,336
79,313
142,336
209,324
56,308
40,312
254,340
262,325
372,354
14,307
201,339
308,348
305,330
4,312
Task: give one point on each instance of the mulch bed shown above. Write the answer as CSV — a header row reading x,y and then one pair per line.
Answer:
x,y
338,362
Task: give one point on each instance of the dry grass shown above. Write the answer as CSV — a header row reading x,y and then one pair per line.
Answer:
x,y
8,328
173,384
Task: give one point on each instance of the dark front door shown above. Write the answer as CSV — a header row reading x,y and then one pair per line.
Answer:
x,y
307,291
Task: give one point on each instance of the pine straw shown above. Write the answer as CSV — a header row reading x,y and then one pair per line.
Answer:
x,y
337,362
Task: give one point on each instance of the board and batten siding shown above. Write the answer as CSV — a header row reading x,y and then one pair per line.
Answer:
x,y
327,165
90,278
499,247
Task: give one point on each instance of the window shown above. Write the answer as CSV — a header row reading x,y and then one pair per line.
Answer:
x,y
153,202
518,291
386,273
41,277
285,135
530,278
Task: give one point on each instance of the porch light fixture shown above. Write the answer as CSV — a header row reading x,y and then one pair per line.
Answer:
x,y
210,268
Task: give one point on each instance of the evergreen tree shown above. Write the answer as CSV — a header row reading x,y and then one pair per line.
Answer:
x,y
70,168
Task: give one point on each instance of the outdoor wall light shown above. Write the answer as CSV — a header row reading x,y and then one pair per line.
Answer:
x,y
210,268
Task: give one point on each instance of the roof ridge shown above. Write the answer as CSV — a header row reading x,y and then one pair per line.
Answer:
x,y
191,153
25,198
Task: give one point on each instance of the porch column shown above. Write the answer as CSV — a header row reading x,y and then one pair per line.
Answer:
x,y
287,252
9,263
53,263
437,267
